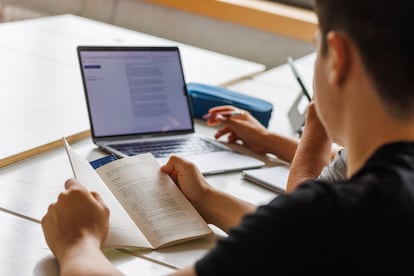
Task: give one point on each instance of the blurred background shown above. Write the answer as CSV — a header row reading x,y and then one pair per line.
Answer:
x,y
240,28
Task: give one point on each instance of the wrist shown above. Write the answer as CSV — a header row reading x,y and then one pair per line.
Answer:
x,y
203,206
265,144
283,147
84,257
74,249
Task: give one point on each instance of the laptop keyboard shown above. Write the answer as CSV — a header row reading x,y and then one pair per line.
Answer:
x,y
164,148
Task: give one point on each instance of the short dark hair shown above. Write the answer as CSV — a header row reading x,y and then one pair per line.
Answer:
x,y
381,30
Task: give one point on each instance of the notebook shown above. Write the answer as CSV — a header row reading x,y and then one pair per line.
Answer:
x,y
272,178
137,102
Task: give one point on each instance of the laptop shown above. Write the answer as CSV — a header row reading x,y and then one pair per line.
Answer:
x,y
137,102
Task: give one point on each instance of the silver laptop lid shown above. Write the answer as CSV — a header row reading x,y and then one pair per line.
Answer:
x,y
134,91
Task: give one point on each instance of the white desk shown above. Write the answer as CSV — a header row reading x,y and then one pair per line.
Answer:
x,y
28,187
25,252
42,92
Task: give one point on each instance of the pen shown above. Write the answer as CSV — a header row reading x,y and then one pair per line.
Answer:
x,y
299,79
225,114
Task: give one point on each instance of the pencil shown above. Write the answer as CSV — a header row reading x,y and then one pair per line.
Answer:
x,y
225,113
299,79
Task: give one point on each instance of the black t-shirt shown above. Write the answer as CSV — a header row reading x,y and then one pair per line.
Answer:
x,y
361,226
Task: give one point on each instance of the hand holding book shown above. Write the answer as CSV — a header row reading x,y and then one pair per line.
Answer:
x,y
147,208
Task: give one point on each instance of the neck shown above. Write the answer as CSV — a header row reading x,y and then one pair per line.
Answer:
x,y
370,133
366,123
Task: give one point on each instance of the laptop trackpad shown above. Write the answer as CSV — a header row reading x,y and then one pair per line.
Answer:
x,y
220,162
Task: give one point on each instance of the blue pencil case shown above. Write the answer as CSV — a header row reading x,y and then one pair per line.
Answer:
x,y
203,97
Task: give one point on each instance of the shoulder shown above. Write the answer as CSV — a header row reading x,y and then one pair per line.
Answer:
x,y
336,170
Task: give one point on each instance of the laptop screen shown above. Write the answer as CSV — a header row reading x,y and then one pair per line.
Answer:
x,y
134,90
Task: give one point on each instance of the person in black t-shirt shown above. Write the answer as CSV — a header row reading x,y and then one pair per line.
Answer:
x,y
364,100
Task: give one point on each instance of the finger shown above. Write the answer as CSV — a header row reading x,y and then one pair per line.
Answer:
x,y
230,121
50,209
49,216
73,183
233,138
214,113
238,121
174,167
221,108
172,162
221,132
212,121
213,118
176,163
98,198
175,174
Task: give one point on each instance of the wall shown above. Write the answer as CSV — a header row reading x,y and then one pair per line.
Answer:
x,y
203,32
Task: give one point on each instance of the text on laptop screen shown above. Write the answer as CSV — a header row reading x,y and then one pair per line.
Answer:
x,y
135,92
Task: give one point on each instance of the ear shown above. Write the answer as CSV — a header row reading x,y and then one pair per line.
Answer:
x,y
339,57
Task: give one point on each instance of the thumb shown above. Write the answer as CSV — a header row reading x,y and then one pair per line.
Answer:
x,y
223,119
73,183
229,121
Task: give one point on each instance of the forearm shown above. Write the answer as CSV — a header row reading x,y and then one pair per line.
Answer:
x,y
224,210
313,153
282,146
308,162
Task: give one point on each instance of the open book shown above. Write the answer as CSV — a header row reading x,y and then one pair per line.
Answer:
x,y
147,209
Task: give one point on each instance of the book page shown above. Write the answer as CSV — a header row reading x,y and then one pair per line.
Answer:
x,y
153,200
123,232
